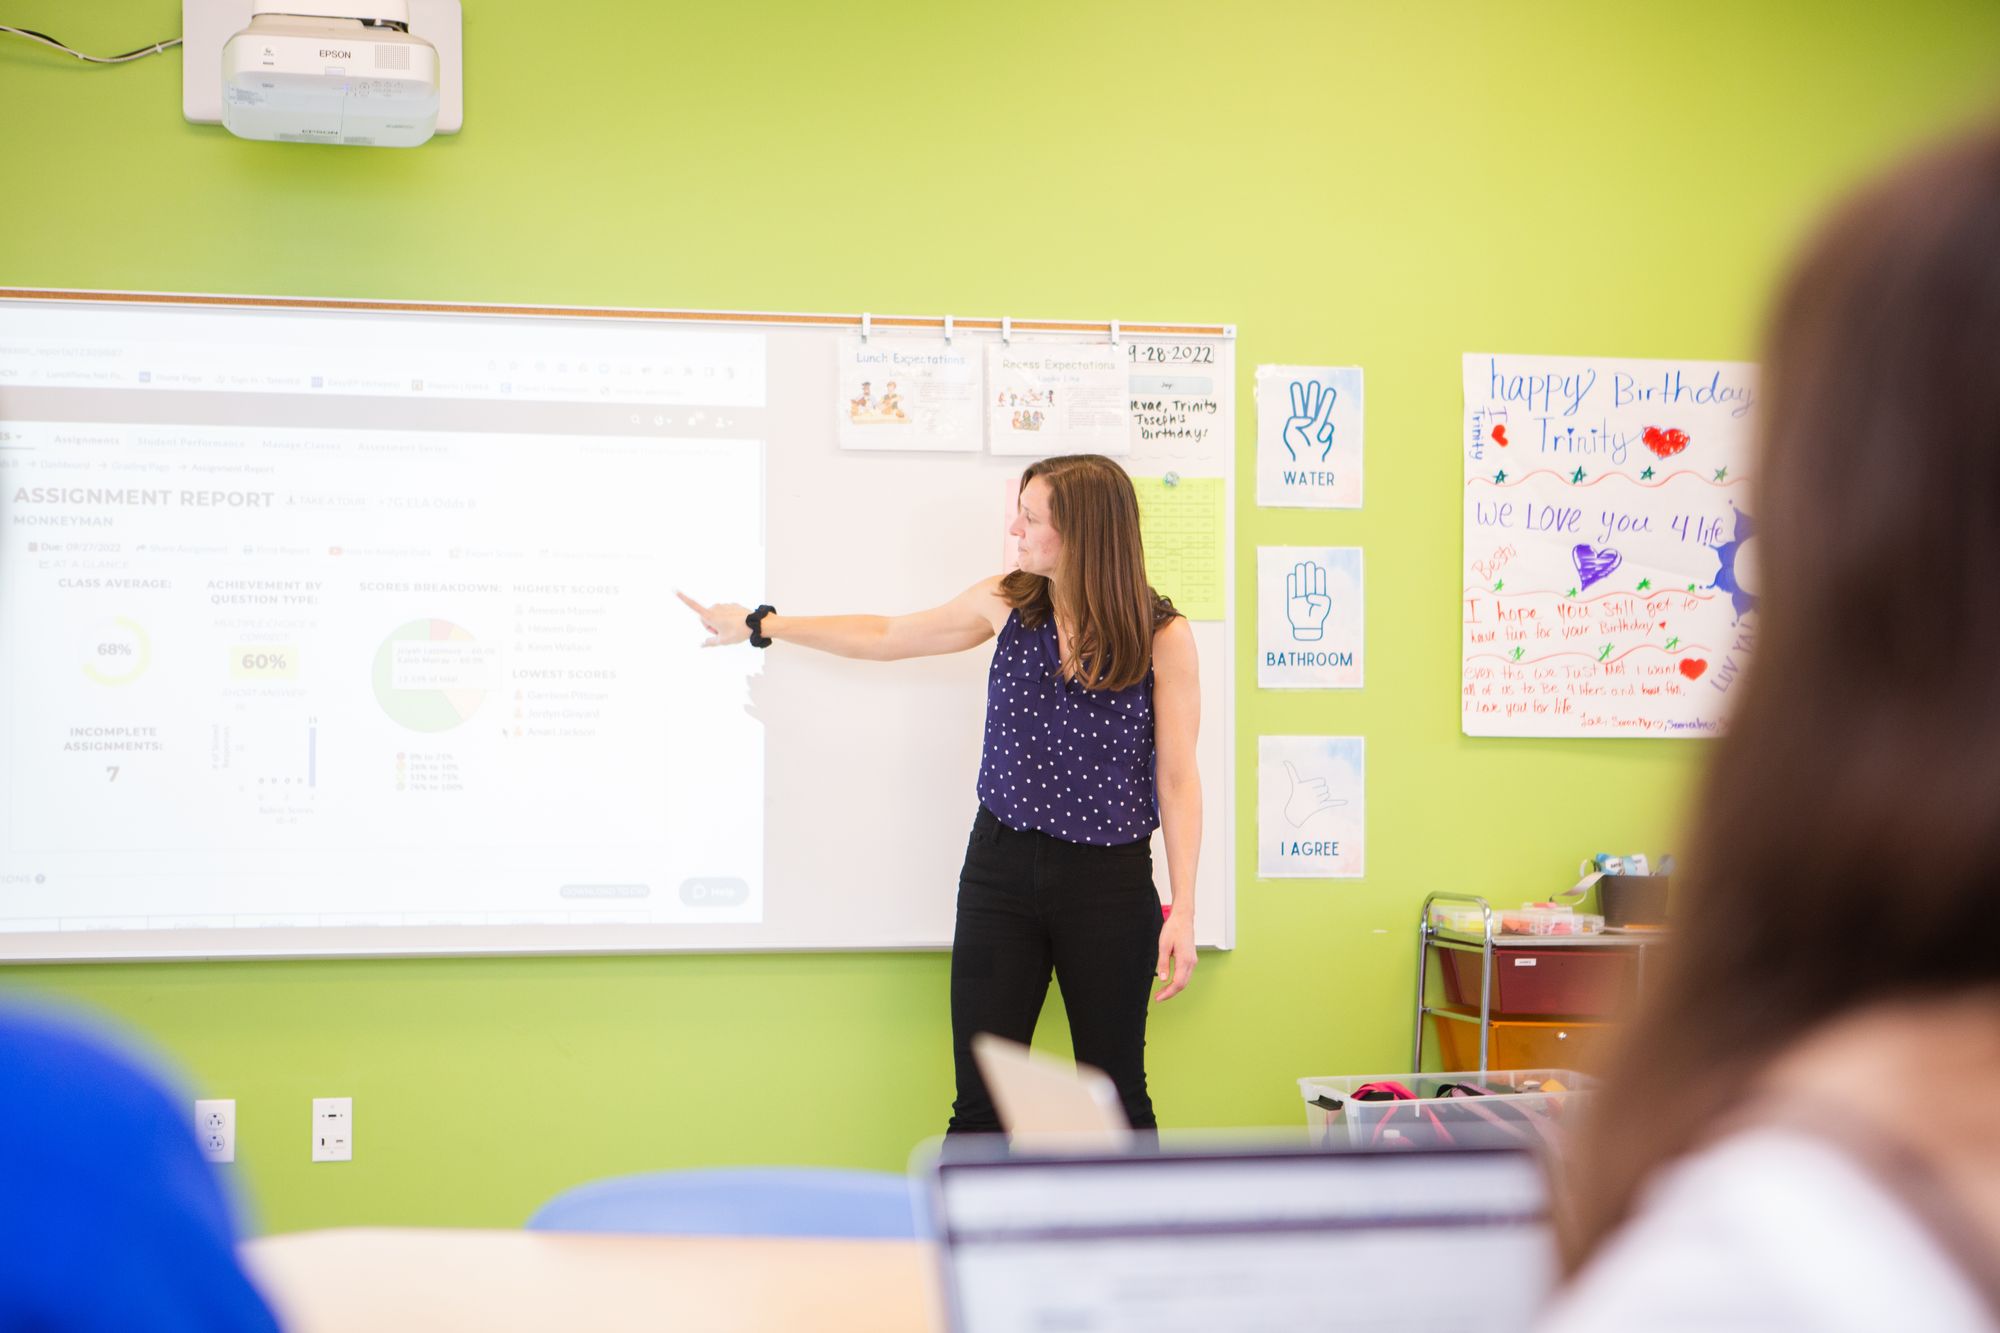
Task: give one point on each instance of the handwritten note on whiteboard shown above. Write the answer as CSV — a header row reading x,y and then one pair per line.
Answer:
x,y
1609,579
1182,394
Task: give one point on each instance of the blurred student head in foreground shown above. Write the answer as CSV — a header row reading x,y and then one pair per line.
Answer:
x,y
1803,1130
110,1218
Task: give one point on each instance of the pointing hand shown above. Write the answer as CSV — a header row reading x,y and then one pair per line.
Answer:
x,y
724,621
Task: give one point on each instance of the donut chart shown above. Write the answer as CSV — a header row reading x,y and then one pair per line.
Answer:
x,y
118,652
415,682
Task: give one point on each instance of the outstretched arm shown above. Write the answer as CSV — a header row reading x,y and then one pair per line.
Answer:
x,y
966,621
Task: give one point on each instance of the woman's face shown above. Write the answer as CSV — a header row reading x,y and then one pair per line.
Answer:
x,y
1040,544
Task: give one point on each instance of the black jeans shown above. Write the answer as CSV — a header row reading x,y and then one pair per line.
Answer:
x,y
1028,902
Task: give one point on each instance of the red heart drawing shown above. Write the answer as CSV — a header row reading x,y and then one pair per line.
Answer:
x,y
1692,667
1500,436
1665,443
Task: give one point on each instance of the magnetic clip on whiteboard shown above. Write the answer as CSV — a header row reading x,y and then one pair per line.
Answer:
x,y
867,325
1171,479
1006,329
947,328
1114,333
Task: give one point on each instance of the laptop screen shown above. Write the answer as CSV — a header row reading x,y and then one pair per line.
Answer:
x,y
1286,1239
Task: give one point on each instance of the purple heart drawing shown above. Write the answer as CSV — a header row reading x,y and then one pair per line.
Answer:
x,y
1593,565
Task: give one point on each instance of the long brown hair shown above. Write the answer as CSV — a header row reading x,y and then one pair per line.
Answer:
x,y
1100,578
1847,835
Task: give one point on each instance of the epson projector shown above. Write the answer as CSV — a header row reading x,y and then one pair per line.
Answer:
x,y
343,73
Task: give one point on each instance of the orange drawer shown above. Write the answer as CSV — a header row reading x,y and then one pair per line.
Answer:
x,y
1578,1046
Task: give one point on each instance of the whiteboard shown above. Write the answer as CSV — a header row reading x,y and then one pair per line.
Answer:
x,y
369,607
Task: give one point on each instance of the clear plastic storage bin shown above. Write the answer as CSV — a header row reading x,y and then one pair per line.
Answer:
x,y
1540,920
1465,920
1523,1106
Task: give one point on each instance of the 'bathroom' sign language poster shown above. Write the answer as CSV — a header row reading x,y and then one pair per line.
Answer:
x,y
1610,580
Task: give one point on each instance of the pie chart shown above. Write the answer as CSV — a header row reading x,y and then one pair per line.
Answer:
x,y
431,675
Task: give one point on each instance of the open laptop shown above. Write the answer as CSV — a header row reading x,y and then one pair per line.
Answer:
x,y
1270,1237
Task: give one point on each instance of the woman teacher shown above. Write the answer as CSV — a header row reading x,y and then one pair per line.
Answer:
x,y
1093,703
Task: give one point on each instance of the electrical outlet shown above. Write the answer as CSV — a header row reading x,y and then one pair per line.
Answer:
x,y
215,1128
333,1129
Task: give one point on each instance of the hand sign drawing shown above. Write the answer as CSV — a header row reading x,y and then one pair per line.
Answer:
x,y
1306,602
1312,406
1309,797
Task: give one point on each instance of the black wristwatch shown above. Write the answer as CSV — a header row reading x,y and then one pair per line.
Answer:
x,y
755,620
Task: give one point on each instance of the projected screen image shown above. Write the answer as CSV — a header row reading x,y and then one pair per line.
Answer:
x,y
344,621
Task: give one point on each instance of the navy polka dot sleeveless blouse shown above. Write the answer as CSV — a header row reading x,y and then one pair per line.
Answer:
x,y
1072,762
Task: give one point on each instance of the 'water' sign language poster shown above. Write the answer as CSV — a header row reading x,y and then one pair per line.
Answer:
x,y
1609,581
1309,436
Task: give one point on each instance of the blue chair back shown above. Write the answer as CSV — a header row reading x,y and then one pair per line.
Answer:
x,y
754,1201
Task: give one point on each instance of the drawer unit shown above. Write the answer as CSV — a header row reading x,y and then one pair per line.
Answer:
x,y
1587,983
1553,1002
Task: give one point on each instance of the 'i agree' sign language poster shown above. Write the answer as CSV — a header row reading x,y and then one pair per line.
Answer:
x,y
1610,579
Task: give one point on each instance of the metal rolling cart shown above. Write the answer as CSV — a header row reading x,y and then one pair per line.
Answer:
x,y
1490,946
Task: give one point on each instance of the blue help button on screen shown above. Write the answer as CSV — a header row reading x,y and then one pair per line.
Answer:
x,y
715,892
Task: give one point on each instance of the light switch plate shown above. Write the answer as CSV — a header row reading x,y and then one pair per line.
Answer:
x,y
207,24
333,1129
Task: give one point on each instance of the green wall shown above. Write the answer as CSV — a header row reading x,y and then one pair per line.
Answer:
x,y
1388,185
